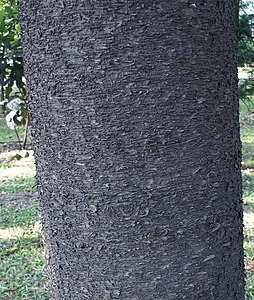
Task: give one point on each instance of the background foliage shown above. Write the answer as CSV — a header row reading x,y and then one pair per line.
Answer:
x,y
246,50
12,80
245,38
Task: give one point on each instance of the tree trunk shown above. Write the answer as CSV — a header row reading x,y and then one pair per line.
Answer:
x,y
134,113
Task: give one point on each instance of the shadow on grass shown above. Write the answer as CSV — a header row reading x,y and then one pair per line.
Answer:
x,y
22,271
248,155
248,183
18,214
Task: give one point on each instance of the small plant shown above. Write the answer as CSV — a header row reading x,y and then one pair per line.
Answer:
x,y
12,81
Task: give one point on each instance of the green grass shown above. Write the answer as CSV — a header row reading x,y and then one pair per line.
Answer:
x,y
23,275
22,263
26,184
22,270
7,134
247,137
18,214
249,288
17,175
18,185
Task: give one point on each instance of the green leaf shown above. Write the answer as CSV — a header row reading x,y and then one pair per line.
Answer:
x,y
17,27
8,91
2,19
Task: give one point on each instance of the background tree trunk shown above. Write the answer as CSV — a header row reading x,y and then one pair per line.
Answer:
x,y
135,129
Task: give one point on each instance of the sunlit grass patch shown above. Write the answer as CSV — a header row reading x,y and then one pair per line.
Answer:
x,y
247,136
17,171
21,163
249,204
249,217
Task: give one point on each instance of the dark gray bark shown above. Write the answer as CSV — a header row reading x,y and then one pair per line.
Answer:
x,y
136,135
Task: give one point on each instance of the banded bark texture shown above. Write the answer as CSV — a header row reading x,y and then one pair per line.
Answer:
x,y
135,129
